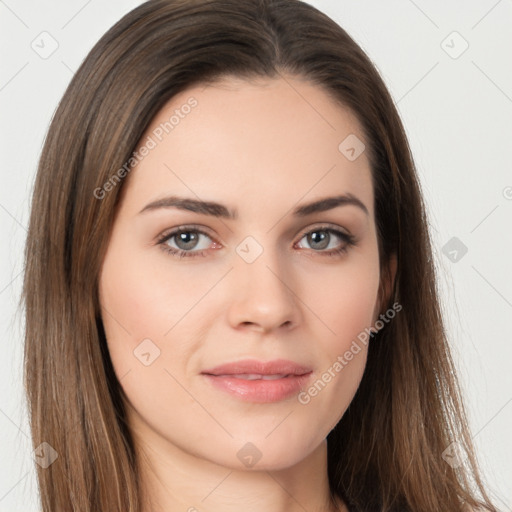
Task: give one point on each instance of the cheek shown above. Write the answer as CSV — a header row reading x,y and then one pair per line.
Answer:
x,y
344,299
133,309
152,308
145,298
149,336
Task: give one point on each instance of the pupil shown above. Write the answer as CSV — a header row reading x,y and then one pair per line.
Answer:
x,y
186,240
319,237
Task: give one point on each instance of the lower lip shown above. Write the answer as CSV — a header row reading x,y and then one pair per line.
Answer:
x,y
259,390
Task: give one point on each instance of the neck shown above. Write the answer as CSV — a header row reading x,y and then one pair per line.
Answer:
x,y
173,479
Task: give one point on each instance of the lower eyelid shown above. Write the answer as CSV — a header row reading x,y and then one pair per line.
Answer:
x,y
346,238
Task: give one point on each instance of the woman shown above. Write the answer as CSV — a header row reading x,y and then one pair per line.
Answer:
x,y
230,296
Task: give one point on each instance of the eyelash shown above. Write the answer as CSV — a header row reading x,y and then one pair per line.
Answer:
x,y
349,240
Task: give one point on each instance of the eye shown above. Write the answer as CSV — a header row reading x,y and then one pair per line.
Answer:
x,y
186,241
326,240
191,241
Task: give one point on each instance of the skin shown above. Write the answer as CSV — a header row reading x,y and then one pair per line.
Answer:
x,y
263,147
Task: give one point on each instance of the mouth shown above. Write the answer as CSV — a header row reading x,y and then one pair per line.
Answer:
x,y
254,376
259,381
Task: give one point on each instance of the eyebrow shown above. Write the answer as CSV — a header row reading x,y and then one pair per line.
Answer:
x,y
219,210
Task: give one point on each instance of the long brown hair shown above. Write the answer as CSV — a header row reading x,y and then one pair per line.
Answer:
x,y
386,453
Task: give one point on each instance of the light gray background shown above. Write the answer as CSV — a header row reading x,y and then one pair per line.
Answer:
x,y
457,110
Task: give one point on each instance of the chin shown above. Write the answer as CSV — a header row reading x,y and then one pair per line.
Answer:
x,y
258,453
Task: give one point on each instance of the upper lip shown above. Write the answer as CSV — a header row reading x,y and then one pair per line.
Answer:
x,y
253,366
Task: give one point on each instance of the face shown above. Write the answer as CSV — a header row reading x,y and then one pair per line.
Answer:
x,y
232,293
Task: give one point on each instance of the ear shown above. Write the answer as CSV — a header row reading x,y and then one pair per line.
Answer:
x,y
387,281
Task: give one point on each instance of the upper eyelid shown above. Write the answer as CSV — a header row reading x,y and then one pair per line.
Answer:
x,y
167,235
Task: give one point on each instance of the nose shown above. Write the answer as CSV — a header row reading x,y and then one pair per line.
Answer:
x,y
261,296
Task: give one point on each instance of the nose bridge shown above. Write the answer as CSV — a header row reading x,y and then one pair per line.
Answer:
x,y
261,293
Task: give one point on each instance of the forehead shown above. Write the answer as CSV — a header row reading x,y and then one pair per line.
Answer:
x,y
236,138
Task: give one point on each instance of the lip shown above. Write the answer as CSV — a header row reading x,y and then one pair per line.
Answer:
x,y
268,381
